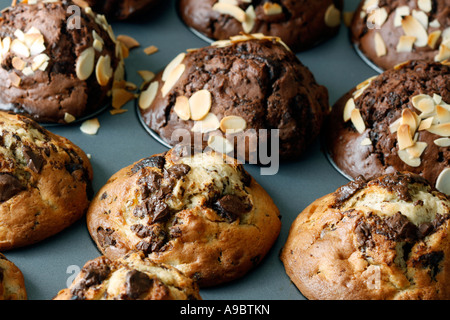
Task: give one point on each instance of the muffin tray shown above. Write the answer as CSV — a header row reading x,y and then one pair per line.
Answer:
x,y
52,264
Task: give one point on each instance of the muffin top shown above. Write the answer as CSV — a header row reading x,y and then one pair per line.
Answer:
x,y
12,283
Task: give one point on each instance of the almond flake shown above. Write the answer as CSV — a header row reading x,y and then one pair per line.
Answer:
x,y
349,106
128,41
270,9
410,161
366,142
421,17
18,63
68,118
444,53
380,46
27,71
220,144
98,45
395,125
443,182
401,12
85,64
19,48
208,124
411,119
426,124
417,149
250,19
103,70
173,78
120,97
412,27
232,10
404,137
172,65
442,142
39,60
233,124
90,126
442,129
182,108
358,121
148,96
405,43
423,103
15,79
378,17
442,114
425,5
30,38
433,38
435,23
200,104
332,16
146,75
150,50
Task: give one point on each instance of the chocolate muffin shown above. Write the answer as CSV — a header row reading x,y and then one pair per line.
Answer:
x,y
122,9
390,32
383,239
133,277
300,24
199,212
241,89
56,65
397,121
12,283
45,182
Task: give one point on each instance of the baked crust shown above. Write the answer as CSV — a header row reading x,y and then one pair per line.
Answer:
x,y
12,283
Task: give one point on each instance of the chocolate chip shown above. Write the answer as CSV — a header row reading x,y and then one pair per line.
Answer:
x,y
347,191
230,207
94,274
9,186
401,227
105,238
137,283
179,170
155,162
34,161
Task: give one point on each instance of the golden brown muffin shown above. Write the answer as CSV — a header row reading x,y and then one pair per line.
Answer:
x,y
12,283
387,238
45,181
201,213
133,277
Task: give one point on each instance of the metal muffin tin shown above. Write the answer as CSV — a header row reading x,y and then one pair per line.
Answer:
x,y
51,265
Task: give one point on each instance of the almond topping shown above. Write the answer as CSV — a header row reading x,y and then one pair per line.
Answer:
x,y
410,161
421,17
148,96
68,118
424,5
417,149
414,28
232,10
358,121
208,124
220,144
444,52
181,108
349,106
15,79
405,43
150,50
172,65
378,17
39,60
442,129
366,142
18,63
411,119
90,126
128,41
404,137
426,124
395,125
172,79
443,182
233,124
423,103
272,8
249,22
442,114
19,48
380,46
85,64
433,38
401,12
442,142
146,75
332,16
120,97
103,70
200,104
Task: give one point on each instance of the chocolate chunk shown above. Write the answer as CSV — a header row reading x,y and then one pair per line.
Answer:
x,y
94,274
149,184
179,170
347,191
432,260
230,207
401,228
137,283
34,160
155,162
9,186
105,238
399,183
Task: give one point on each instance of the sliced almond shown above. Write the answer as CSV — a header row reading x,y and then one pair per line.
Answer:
x,y
172,65
395,125
433,38
423,103
90,126
232,10
6,45
68,118
442,142
366,142
173,78
332,16
18,63
410,161
146,75
233,124
435,23
97,45
417,149
148,96
437,98
443,181
425,5
85,64
30,38
120,97
220,144
412,27
365,83
38,46
405,43
442,114
380,46
208,124
404,137
200,104
444,53
271,8
378,17
421,17
349,106
103,70
401,12
358,121
442,129
250,19
426,124
151,50
182,108
411,119
128,41
15,79
39,60
27,71
19,48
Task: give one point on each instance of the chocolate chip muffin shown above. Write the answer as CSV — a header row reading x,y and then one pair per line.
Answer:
x,y
390,32
300,24
383,239
57,64
12,283
45,182
397,121
122,9
133,277
235,91
199,212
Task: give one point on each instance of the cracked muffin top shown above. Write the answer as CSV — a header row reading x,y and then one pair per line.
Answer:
x,y
133,277
197,211
390,32
300,24
45,182
382,239
56,66
234,89
397,121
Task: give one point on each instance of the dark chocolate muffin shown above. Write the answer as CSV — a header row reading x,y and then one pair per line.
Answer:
x,y
390,32
397,121
300,24
56,66
122,9
239,89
